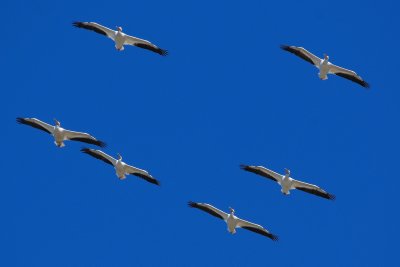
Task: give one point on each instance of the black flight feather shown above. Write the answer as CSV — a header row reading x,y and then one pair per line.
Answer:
x,y
317,193
89,141
353,78
261,232
95,155
86,26
297,53
257,171
203,208
146,177
33,124
157,50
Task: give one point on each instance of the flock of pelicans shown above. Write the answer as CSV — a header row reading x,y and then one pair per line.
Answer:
x,y
122,169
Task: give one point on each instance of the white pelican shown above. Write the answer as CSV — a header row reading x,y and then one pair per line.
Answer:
x,y
286,182
60,135
120,38
232,221
121,167
324,66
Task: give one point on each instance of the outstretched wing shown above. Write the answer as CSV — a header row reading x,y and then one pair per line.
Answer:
x,y
312,189
83,137
256,228
347,74
260,170
100,155
141,173
145,45
209,209
93,26
302,53
38,124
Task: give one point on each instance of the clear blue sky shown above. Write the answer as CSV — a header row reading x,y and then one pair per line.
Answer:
x,y
225,95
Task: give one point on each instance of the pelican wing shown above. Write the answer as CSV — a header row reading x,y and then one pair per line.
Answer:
x,y
347,74
38,124
256,228
209,209
141,173
93,26
260,170
312,189
83,137
130,40
302,53
100,155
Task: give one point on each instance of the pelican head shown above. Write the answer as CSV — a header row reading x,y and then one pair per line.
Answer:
x,y
231,210
119,156
57,122
119,28
287,172
326,57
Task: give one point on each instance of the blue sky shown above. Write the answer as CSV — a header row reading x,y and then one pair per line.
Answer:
x,y
225,95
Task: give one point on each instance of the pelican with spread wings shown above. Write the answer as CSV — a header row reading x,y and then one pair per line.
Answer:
x,y
286,182
324,66
60,134
121,168
120,38
232,221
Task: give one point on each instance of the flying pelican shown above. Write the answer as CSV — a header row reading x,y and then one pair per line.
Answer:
x,y
324,66
121,167
120,38
60,135
286,182
232,221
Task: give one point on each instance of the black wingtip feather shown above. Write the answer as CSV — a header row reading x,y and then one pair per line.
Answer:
x,y
101,144
274,237
262,232
85,150
157,50
244,167
296,52
148,178
285,47
206,209
91,152
317,193
331,197
32,124
354,79
90,141
89,27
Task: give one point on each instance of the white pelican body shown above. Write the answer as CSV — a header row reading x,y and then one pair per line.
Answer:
x,y
287,183
120,39
232,221
121,168
60,134
324,66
